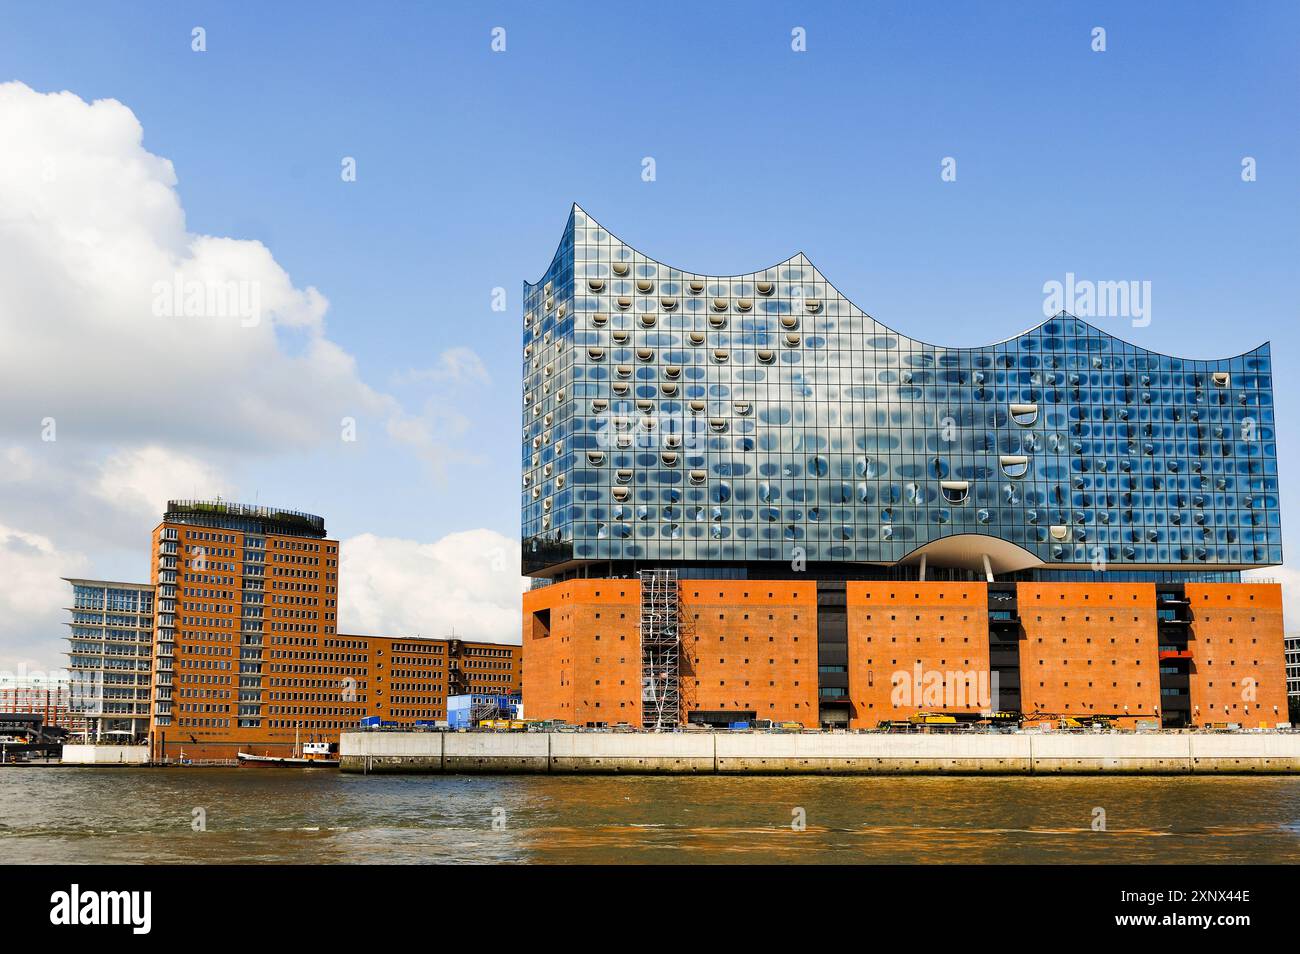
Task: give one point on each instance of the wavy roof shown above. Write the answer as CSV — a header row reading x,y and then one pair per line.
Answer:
x,y
801,260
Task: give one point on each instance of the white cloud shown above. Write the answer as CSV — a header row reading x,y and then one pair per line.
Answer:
x,y
169,360
32,598
114,319
437,432
458,366
143,480
465,582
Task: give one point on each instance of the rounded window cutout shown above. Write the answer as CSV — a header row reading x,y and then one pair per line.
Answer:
x,y
955,491
1024,414
1014,465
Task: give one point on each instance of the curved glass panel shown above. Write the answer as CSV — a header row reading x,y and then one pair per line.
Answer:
x,y
798,427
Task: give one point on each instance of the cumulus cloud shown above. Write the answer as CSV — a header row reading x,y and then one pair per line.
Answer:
x,y
161,360
467,583
115,318
143,480
32,597
62,509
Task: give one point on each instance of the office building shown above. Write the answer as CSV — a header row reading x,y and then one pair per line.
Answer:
x,y
110,639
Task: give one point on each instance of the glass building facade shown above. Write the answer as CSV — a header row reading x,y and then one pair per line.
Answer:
x,y
109,650
671,418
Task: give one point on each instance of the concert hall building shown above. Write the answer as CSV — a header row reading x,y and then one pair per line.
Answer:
x,y
744,498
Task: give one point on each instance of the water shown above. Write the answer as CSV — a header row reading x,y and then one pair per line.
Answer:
x,y
74,815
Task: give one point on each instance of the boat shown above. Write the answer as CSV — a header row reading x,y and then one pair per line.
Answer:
x,y
306,760
306,755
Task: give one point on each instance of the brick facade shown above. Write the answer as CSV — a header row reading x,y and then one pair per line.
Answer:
x,y
750,647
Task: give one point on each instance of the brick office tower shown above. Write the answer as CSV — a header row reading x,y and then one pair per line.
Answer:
x,y
246,654
745,498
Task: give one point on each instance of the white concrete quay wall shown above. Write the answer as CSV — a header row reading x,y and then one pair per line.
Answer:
x,y
681,752
779,753
105,755
495,751
1222,754
1129,752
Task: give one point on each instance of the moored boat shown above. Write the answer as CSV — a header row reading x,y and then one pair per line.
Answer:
x,y
313,755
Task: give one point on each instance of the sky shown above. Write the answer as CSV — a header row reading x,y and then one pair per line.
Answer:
x,y
939,162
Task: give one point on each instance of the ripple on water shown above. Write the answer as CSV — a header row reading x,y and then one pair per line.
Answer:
x,y
289,816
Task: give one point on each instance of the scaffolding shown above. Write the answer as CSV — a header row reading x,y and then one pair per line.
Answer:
x,y
660,650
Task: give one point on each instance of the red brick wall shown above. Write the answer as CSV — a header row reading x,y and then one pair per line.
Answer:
x,y
589,668
894,627
1236,637
1089,648
750,645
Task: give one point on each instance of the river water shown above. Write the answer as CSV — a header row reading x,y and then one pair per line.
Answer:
x,y
251,815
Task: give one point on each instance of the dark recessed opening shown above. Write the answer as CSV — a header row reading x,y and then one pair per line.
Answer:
x,y
541,624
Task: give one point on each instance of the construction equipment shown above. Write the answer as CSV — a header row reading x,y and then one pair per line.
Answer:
x,y
485,710
504,725
660,650
921,722
1002,719
1067,721
931,718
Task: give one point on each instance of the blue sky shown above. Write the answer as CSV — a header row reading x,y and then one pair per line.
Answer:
x,y
1114,166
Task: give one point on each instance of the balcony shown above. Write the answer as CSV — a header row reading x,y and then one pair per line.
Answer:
x,y
1175,654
